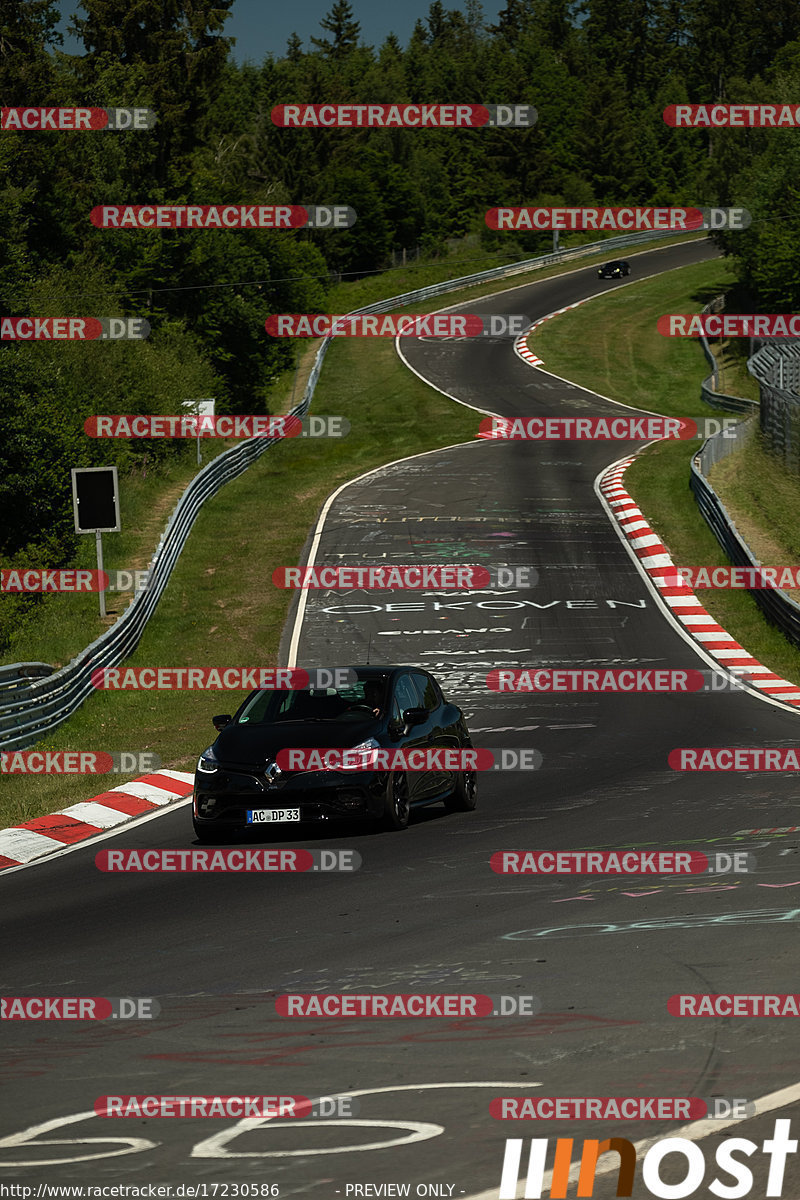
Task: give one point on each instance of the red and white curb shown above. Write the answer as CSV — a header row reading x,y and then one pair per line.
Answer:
x,y
683,603
521,347
44,835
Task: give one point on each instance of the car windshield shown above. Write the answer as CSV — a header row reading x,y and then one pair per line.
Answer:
x,y
316,704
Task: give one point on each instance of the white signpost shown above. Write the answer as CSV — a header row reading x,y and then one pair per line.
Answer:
x,y
200,408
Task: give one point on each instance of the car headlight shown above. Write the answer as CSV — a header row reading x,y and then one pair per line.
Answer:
x,y
363,748
208,762
369,744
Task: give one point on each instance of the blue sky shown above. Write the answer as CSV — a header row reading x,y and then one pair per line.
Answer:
x,y
262,27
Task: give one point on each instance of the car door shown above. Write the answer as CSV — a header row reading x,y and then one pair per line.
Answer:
x,y
430,699
405,695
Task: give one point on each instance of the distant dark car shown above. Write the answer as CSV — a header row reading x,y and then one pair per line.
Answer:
x,y
238,784
614,270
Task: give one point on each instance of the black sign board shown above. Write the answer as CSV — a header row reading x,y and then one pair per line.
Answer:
x,y
95,499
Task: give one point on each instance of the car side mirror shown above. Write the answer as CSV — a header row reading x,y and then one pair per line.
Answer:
x,y
415,716
221,721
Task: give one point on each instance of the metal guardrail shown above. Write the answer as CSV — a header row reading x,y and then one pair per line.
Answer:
x,y
709,388
777,607
777,369
19,675
723,401
47,703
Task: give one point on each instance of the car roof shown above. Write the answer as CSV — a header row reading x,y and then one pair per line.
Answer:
x,y
379,670
371,671
364,673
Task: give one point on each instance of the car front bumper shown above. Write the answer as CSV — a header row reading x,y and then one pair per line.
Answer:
x,y
225,798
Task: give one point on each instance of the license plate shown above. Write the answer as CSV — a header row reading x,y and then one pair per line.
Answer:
x,y
261,816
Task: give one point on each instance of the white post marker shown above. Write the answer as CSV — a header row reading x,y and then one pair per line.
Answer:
x,y
200,408
98,543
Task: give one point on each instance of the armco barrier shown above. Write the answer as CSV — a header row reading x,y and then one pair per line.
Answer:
x,y
19,675
709,392
779,608
723,401
42,705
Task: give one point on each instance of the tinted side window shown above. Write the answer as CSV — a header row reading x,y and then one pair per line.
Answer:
x,y
406,693
427,691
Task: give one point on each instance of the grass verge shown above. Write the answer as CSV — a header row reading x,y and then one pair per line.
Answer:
x,y
611,344
763,497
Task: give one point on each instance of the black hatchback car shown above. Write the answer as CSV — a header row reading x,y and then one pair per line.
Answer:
x,y
238,784
614,270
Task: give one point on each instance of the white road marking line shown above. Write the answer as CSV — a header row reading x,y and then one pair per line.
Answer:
x,y
14,1140
213,1147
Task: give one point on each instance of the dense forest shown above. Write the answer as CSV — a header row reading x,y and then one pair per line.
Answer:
x,y
599,73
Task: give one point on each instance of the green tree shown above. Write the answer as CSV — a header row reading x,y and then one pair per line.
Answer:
x,y
182,47
27,32
294,48
344,29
